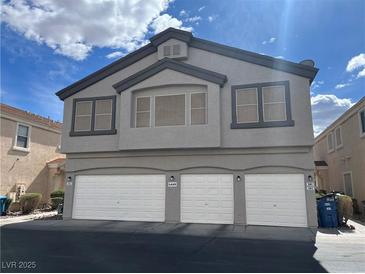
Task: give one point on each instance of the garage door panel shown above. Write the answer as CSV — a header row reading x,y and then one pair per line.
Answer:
x,y
275,199
207,198
120,197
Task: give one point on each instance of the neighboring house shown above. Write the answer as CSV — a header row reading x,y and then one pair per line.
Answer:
x,y
188,130
30,156
339,152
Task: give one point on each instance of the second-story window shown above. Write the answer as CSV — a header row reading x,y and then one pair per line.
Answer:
x,y
330,142
22,137
93,116
170,110
261,105
199,108
143,112
362,122
338,135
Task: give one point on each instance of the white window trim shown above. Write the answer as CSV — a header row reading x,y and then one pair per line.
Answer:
x,y
206,108
135,112
335,137
362,134
352,183
272,103
15,147
185,109
333,142
257,105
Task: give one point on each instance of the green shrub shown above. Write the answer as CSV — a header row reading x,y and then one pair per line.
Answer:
x,y
29,202
58,193
56,201
14,207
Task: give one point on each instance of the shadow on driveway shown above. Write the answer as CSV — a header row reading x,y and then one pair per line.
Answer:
x,y
71,250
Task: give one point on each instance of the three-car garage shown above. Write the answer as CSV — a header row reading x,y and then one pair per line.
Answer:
x,y
267,199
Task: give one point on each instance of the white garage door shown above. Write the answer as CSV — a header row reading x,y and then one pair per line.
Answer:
x,y
207,198
275,199
120,197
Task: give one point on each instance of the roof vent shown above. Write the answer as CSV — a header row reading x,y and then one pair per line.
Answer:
x,y
307,62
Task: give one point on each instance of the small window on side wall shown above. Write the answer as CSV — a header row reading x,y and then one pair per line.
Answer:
x,y
22,138
330,142
338,135
94,116
362,122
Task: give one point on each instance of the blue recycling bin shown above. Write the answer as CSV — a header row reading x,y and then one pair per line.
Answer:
x,y
327,211
3,204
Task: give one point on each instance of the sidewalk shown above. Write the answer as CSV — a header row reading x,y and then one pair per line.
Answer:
x,y
6,220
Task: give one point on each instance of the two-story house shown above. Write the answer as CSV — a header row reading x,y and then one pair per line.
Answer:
x,y
339,152
188,130
31,160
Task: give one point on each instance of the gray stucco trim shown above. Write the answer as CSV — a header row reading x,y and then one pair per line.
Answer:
x,y
93,131
251,57
106,71
261,123
168,63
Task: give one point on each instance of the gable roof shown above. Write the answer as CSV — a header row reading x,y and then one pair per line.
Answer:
x,y
167,63
301,69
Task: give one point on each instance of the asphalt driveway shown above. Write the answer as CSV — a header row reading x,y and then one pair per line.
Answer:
x,y
97,246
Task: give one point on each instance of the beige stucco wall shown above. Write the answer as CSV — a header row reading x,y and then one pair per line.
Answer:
x,y
350,157
29,168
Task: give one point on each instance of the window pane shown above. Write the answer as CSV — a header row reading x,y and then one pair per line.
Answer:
x,y
176,50
143,119
143,104
273,94
198,116
198,100
330,141
246,96
246,114
362,115
338,137
170,110
22,141
83,108
103,106
274,112
348,184
83,123
103,122
166,50
23,131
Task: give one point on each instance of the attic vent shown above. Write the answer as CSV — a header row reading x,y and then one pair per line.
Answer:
x,y
166,50
176,50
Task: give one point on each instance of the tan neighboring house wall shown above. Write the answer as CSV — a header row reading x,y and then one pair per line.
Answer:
x,y
38,168
348,158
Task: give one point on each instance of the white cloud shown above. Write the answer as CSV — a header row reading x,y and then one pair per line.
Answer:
x,y
357,63
114,54
326,108
339,86
74,28
279,57
320,82
211,18
270,41
194,19
201,8
183,13
165,21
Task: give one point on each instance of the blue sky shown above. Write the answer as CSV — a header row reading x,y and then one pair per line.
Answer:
x,y
46,46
